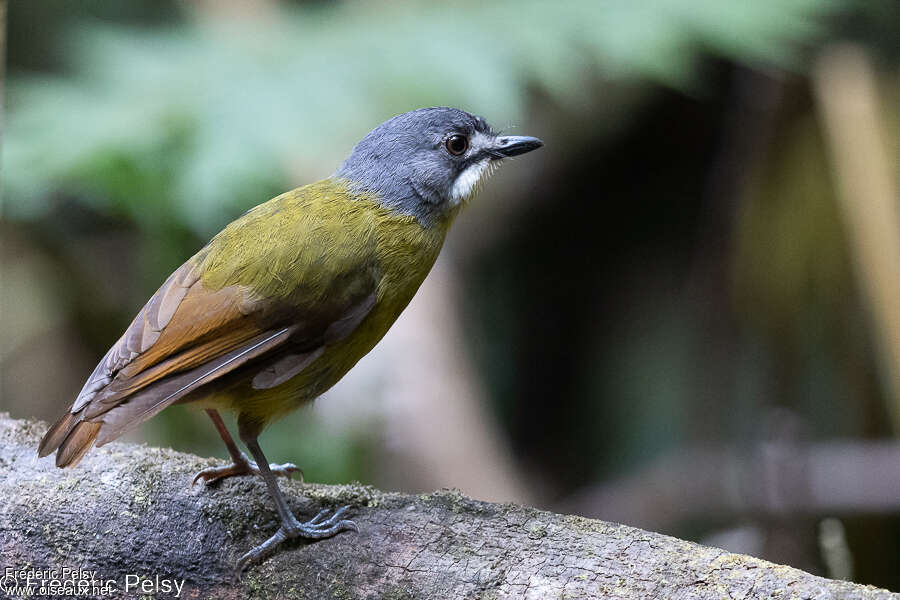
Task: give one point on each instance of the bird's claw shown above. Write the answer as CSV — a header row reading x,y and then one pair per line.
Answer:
x,y
243,467
317,528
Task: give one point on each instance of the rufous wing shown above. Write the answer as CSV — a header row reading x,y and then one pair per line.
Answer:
x,y
183,338
168,353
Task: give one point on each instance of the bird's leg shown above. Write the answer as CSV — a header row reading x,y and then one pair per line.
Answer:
x,y
240,464
316,528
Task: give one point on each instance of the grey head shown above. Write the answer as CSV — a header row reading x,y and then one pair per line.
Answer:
x,y
426,162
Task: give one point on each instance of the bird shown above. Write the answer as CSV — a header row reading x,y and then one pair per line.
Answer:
x,y
285,300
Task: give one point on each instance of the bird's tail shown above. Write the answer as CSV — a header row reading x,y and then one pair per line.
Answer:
x,y
71,437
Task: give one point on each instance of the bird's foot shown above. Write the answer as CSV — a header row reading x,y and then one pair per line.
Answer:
x,y
316,528
243,467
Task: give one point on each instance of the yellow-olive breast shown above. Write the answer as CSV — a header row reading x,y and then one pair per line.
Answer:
x,y
311,253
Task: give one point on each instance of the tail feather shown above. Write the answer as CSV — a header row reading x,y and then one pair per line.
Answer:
x,y
78,441
75,433
56,434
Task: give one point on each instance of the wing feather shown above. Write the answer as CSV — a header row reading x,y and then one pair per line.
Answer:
x,y
143,332
284,368
141,406
213,315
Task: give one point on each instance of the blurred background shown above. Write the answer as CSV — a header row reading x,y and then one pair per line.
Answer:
x,y
682,314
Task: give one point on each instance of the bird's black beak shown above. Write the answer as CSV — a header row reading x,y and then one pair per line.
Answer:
x,y
513,145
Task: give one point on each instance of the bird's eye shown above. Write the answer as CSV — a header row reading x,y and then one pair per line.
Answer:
x,y
457,144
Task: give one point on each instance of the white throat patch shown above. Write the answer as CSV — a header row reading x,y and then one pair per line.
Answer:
x,y
467,182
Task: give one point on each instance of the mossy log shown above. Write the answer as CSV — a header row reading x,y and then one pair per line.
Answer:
x,y
129,510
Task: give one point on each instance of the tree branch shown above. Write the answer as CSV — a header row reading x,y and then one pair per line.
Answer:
x,y
130,510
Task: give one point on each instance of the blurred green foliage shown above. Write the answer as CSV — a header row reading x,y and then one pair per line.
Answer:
x,y
197,120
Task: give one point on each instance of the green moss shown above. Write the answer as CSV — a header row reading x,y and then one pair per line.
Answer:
x,y
353,493
255,587
456,502
295,594
398,593
537,531
339,591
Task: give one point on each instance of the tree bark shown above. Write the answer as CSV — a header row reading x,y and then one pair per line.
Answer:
x,y
129,510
